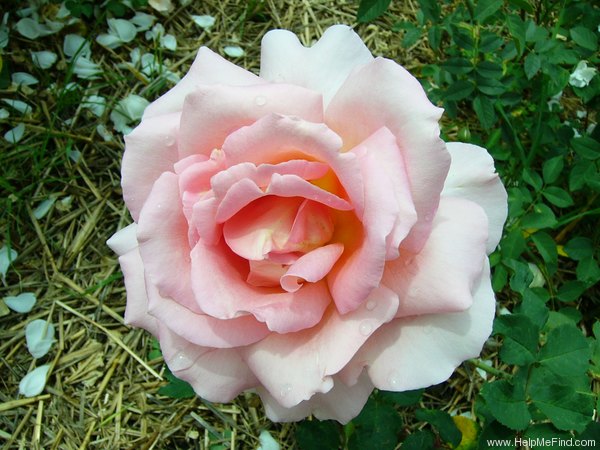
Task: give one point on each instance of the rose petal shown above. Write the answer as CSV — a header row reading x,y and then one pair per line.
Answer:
x,y
34,382
306,360
341,403
441,277
388,217
211,113
162,234
311,267
150,150
220,284
39,335
207,68
416,352
383,93
472,176
124,240
217,375
276,138
324,66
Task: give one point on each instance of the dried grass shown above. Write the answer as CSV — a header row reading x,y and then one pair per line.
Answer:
x,y
102,390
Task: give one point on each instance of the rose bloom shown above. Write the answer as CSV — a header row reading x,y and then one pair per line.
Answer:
x,y
306,233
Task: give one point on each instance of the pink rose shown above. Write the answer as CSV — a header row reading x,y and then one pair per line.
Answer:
x,y
306,233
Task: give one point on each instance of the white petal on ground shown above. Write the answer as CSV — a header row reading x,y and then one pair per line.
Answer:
x,y
267,442
205,21
95,103
40,337
43,208
104,133
86,68
234,51
22,303
19,105
15,134
4,114
582,75
6,258
123,29
29,28
143,21
23,78
43,59
169,42
161,5
34,382
74,44
108,40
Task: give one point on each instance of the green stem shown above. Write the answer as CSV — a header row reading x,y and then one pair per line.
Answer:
x,y
492,371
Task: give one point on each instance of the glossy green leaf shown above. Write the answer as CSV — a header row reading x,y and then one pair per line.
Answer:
x,y
566,351
552,169
586,147
579,248
584,38
541,217
318,435
459,90
557,196
419,440
571,291
442,422
507,403
546,247
369,10
520,338
486,8
378,422
566,408
532,65
484,108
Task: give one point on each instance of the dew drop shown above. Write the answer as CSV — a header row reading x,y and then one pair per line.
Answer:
x,y
393,379
365,328
260,101
285,389
169,140
371,304
180,361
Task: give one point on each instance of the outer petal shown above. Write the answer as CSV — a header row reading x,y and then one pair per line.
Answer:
x,y
217,375
211,113
207,68
417,352
322,67
388,217
136,311
441,277
295,366
150,150
220,285
472,176
124,240
163,236
341,403
385,94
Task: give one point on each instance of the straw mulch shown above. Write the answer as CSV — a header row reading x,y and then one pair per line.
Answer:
x,y
102,388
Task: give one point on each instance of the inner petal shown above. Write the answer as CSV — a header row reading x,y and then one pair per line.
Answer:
x,y
276,225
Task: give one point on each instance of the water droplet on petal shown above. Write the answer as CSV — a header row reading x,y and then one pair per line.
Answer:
x,y
371,304
260,100
285,389
393,379
180,361
365,328
169,140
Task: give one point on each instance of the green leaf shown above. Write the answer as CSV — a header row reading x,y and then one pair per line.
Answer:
x,y
491,86
532,65
520,338
566,352
484,108
419,440
552,169
496,436
488,69
459,90
512,245
588,270
486,8
431,9
544,432
532,178
546,247
406,398
318,435
507,404
584,38
579,248
517,29
522,276
557,196
457,65
566,408
369,10
378,422
541,217
571,291
176,388
489,42
586,147
442,422
534,307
